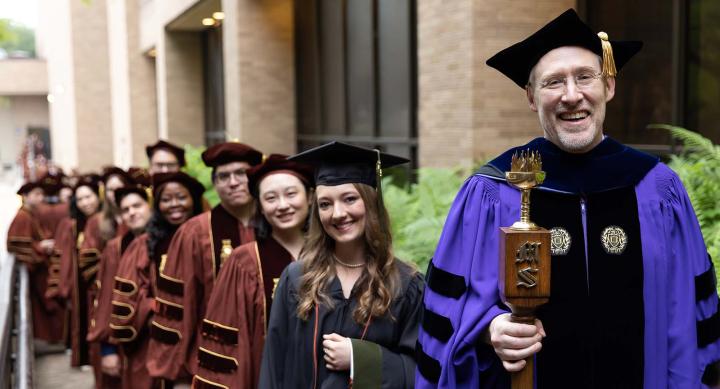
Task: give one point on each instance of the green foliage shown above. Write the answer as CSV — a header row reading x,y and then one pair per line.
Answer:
x,y
418,212
196,168
16,37
6,32
699,169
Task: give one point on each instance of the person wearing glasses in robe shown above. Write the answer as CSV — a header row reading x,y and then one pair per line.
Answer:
x,y
633,300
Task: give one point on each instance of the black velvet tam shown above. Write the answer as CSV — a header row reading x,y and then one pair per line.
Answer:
x,y
52,183
140,175
91,180
140,190
194,186
340,163
109,171
517,61
28,187
224,153
279,163
178,152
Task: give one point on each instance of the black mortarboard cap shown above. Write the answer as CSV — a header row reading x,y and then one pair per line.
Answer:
x,y
340,163
517,61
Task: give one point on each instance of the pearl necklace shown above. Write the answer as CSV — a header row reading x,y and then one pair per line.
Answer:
x,y
348,265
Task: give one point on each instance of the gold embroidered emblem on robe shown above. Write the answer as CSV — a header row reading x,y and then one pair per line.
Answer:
x,y
560,241
614,240
225,251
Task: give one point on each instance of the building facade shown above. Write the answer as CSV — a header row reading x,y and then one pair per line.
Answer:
x,y
408,76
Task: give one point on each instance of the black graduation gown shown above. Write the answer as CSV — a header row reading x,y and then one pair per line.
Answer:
x,y
293,356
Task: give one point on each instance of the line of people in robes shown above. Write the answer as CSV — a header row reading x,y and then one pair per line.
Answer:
x,y
288,282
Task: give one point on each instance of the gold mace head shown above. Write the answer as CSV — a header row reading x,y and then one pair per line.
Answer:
x,y
525,173
525,170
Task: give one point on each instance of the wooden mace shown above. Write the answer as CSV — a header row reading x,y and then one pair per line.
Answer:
x,y
524,257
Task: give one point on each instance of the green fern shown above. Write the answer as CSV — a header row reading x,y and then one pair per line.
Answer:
x,y
195,167
418,212
699,146
698,166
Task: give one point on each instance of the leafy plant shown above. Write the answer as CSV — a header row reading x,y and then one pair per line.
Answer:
x,y
195,167
698,166
16,37
418,211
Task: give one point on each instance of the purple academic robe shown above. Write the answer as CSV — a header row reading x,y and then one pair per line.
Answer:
x,y
674,260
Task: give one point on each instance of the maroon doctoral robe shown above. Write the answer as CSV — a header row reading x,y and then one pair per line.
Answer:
x,y
101,310
133,304
186,281
234,327
51,217
89,252
24,236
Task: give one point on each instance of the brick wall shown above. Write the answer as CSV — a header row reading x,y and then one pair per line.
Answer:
x,y
91,70
469,112
259,73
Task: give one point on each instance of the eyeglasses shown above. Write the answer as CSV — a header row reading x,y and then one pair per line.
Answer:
x,y
224,177
582,80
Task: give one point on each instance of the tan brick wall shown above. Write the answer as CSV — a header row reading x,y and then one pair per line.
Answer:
x,y
445,75
91,84
23,77
259,73
181,87
143,96
468,111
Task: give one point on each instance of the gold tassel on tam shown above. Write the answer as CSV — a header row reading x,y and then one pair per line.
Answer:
x,y
608,63
382,213
378,175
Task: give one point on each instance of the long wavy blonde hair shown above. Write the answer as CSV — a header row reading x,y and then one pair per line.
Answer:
x,y
377,286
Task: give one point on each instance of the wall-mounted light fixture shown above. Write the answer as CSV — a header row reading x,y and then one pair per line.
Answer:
x,y
219,15
208,22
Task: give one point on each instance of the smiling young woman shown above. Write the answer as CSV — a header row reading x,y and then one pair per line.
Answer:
x,y
348,309
176,198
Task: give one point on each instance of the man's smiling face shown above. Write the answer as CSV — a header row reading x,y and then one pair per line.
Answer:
x,y
572,112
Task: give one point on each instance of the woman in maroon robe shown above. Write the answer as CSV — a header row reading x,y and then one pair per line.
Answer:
x,y
74,286
233,335
100,229
178,197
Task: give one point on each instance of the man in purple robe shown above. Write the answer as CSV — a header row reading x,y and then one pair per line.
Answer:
x,y
633,293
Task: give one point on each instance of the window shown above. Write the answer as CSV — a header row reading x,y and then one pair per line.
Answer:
x,y
675,77
212,43
356,74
